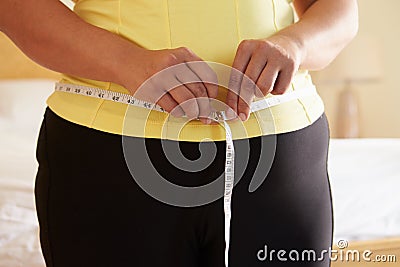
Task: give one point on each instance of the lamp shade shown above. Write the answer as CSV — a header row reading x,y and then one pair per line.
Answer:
x,y
360,61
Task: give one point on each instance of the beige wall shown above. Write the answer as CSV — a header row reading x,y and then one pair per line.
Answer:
x,y
379,103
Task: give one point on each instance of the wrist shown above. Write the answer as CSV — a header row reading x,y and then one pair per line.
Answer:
x,y
128,60
294,45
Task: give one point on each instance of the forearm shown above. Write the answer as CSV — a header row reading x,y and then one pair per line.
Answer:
x,y
53,36
324,29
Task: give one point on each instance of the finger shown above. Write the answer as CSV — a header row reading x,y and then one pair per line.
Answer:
x,y
152,91
283,81
166,81
188,79
255,67
233,93
202,100
248,86
170,105
267,78
242,58
160,84
203,103
186,101
206,75
244,101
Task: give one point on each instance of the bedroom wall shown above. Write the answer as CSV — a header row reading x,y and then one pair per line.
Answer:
x,y
379,101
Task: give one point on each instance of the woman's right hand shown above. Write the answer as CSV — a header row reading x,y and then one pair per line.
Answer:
x,y
183,84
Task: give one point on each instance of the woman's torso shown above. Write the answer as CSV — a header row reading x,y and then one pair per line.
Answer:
x,y
212,29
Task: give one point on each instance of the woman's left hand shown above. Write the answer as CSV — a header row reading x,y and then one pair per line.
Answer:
x,y
260,67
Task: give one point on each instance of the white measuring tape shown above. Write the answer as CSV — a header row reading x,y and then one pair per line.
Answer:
x,y
218,116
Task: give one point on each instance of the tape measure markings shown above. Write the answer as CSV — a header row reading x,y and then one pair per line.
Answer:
x,y
130,100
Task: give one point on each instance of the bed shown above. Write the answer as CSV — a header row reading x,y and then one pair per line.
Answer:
x,y
364,174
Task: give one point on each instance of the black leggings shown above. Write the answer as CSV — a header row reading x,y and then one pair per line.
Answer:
x,y
93,214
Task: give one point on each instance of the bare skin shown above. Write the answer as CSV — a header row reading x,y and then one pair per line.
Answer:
x,y
50,35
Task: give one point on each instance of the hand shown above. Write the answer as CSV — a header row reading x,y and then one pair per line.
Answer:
x,y
184,83
261,67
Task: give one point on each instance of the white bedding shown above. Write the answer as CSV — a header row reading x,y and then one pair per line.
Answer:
x,y
365,179
364,173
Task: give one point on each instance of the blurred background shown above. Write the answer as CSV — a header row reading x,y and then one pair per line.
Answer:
x,y
366,74
360,92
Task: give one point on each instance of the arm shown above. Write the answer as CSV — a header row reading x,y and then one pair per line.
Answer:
x,y
55,37
325,27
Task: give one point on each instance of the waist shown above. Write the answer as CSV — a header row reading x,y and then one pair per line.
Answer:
x,y
216,115
120,118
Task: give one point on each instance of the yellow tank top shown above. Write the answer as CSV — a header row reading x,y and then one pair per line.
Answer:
x,y
212,29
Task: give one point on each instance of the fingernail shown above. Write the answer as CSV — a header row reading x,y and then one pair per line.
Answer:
x,y
243,116
208,121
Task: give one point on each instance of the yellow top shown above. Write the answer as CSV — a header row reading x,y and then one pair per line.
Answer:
x,y
212,29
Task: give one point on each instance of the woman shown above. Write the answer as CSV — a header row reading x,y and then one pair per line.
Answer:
x,y
92,213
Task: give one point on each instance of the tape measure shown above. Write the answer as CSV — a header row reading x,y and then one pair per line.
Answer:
x,y
218,116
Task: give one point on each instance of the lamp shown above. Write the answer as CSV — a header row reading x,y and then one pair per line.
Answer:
x,y
359,63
